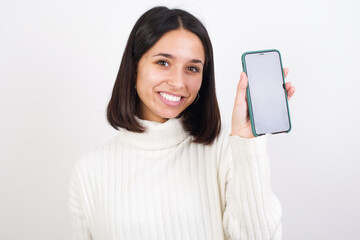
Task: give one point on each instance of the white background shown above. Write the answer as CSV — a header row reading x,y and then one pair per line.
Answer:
x,y
58,63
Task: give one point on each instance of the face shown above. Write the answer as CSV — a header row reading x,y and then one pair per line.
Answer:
x,y
169,75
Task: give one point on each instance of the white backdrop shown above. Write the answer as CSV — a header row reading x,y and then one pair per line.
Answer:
x,y
58,63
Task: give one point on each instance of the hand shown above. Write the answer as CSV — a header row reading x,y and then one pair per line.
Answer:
x,y
240,123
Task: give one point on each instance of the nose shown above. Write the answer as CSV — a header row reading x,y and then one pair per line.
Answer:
x,y
177,79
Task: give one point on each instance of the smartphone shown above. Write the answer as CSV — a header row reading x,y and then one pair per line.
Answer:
x,y
266,93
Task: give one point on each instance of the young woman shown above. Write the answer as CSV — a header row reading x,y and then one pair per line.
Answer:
x,y
171,173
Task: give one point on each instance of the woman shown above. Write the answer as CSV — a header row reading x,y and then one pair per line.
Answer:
x,y
171,173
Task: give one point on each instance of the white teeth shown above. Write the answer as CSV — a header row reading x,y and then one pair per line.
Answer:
x,y
170,97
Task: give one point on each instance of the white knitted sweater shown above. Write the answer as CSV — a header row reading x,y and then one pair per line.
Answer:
x,y
159,185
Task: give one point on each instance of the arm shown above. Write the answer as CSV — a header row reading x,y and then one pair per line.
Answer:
x,y
251,211
80,230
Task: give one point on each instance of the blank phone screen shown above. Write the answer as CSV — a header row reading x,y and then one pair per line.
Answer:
x,y
267,92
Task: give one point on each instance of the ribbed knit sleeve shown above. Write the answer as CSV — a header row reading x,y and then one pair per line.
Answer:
x,y
80,230
251,210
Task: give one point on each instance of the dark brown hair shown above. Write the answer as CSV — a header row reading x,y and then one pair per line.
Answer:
x,y
201,119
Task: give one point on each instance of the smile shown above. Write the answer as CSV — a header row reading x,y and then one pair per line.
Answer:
x,y
169,97
171,100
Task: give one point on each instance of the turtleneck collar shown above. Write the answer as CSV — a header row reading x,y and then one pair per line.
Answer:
x,y
157,135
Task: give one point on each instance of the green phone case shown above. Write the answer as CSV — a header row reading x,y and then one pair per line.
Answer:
x,y
248,91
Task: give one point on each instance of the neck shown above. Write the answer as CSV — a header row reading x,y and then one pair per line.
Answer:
x,y
158,135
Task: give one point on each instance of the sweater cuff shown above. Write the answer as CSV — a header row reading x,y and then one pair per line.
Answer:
x,y
256,146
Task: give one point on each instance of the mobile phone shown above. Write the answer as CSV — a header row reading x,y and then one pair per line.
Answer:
x,y
266,93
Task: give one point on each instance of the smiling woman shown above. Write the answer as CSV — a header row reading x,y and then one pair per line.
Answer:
x,y
168,55
169,76
170,173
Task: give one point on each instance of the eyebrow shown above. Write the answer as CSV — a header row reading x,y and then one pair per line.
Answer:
x,y
172,57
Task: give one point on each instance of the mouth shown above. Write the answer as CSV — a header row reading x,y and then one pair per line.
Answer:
x,y
170,99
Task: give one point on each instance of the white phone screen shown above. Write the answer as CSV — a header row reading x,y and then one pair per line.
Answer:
x,y
267,92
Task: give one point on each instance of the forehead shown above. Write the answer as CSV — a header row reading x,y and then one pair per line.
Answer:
x,y
180,43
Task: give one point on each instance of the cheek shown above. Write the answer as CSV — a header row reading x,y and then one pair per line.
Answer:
x,y
194,84
147,79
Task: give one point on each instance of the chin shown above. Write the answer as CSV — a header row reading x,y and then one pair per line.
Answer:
x,y
170,114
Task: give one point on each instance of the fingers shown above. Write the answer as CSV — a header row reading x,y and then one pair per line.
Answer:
x,y
289,89
288,86
241,89
286,71
291,92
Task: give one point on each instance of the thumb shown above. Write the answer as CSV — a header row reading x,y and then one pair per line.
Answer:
x,y
241,89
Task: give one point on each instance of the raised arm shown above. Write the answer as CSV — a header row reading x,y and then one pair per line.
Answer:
x,y
251,210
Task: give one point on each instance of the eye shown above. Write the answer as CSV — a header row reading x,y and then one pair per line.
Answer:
x,y
194,69
163,63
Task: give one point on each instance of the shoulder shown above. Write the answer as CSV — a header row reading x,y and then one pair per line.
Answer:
x,y
88,161
222,140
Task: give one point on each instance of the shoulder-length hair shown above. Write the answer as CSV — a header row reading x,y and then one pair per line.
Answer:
x,y
201,118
